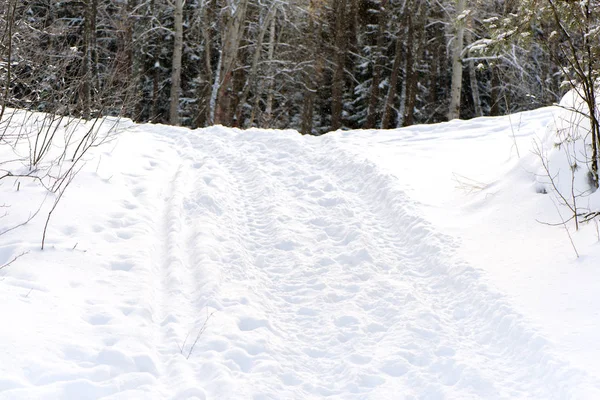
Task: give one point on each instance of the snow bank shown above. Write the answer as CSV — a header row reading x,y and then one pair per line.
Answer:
x,y
566,153
480,181
230,264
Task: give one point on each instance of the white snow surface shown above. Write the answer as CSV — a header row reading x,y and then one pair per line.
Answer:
x,y
227,264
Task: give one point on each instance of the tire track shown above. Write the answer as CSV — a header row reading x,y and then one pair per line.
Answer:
x,y
327,283
432,309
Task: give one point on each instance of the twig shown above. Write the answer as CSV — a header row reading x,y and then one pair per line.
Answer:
x,y
468,184
589,216
58,198
184,342
31,216
564,224
539,152
514,136
13,260
200,332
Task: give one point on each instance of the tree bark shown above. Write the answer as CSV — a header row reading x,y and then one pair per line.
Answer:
x,y
89,56
457,68
204,96
176,65
227,59
391,94
313,72
271,79
410,80
12,7
337,88
473,76
377,67
252,80
494,92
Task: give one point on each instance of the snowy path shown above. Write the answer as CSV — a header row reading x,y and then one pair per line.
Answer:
x,y
327,283
288,269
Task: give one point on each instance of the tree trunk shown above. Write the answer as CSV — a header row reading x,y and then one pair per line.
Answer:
x,y
494,92
377,67
391,94
252,80
232,36
410,80
337,88
176,65
206,106
12,7
457,68
473,76
439,60
130,63
270,80
475,89
89,56
214,94
593,109
313,72
402,106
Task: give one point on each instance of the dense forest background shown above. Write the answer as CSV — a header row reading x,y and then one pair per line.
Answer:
x,y
311,65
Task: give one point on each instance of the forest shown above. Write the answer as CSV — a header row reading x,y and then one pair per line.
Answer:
x,y
262,199
310,65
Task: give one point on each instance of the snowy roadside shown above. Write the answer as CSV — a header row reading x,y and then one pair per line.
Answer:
x,y
477,181
261,264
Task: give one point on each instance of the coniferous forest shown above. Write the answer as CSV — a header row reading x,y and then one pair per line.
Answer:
x,y
310,65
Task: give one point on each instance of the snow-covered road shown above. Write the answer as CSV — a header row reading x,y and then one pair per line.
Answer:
x,y
266,265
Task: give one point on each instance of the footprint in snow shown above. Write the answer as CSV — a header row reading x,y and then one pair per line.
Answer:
x,y
290,379
130,206
121,265
138,191
241,359
99,319
125,235
346,320
371,381
69,230
360,359
285,245
307,312
315,353
249,324
97,228
395,368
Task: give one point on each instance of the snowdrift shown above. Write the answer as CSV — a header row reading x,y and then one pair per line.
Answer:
x,y
566,155
230,264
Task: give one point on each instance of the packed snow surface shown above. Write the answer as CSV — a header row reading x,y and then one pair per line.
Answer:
x,y
228,264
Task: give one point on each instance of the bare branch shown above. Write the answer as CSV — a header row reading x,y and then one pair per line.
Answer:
x,y
13,260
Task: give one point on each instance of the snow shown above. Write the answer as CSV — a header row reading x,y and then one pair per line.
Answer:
x,y
261,264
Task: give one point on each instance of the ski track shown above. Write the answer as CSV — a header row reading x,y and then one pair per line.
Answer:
x,y
272,266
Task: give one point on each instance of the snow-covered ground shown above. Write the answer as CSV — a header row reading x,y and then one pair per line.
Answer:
x,y
227,264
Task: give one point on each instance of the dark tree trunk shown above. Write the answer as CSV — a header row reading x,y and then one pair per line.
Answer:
x,y
337,89
410,79
89,57
386,120
377,69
